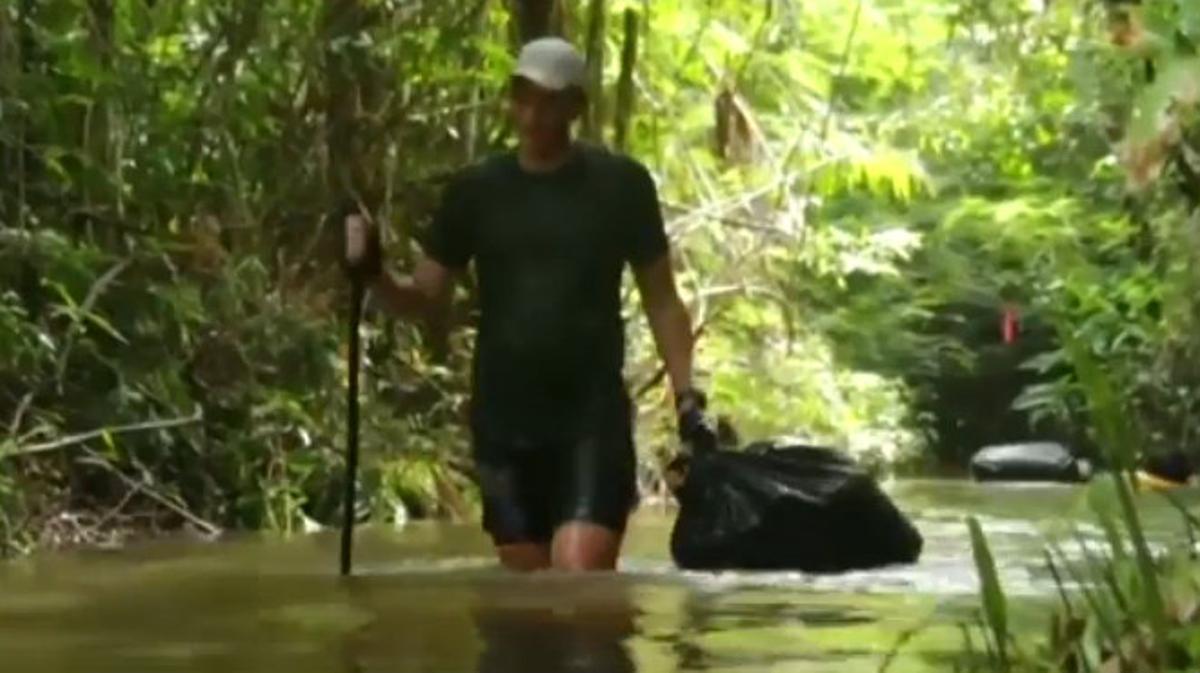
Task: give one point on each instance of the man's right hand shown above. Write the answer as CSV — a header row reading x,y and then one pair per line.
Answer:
x,y
364,253
697,430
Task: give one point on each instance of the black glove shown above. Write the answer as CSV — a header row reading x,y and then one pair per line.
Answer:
x,y
369,265
697,430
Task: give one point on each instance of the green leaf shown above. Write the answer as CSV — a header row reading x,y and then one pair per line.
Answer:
x,y
108,439
99,321
65,295
995,607
1104,503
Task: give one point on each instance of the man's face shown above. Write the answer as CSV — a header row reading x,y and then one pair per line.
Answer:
x,y
543,116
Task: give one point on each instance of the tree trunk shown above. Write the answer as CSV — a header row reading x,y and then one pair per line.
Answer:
x,y
536,18
345,178
96,121
11,66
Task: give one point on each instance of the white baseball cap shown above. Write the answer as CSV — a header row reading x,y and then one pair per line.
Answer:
x,y
552,63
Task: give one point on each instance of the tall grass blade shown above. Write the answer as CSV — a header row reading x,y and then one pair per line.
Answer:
x,y
1103,501
995,604
1154,609
989,647
1118,440
1068,606
1104,620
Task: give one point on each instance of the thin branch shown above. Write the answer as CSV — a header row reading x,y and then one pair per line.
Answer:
x,y
841,73
830,104
716,210
117,508
694,47
434,114
756,43
730,220
661,372
208,527
72,440
901,640
738,201
19,416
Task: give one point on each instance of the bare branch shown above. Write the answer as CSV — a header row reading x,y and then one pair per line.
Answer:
x,y
661,372
145,488
72,440
19,415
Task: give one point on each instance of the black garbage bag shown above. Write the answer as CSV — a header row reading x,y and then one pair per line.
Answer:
x,y
1030,461
787,507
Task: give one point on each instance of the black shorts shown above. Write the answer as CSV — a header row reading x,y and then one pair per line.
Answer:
x,y
529,491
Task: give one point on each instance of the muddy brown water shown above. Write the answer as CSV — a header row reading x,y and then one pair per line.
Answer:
x,y
430,598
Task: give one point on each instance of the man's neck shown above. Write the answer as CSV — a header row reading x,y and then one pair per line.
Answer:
x,y
546,161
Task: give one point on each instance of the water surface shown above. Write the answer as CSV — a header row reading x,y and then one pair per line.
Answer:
x,y
429,598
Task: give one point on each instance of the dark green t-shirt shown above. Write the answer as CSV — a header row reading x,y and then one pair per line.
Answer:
x,y
549,250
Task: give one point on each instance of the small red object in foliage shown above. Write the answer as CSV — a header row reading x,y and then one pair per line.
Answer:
x,y
1010,325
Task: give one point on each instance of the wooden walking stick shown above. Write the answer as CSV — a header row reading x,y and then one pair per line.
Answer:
x,y
356,249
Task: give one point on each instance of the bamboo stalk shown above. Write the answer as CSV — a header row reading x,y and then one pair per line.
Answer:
x,y
624,111
472,61
593,121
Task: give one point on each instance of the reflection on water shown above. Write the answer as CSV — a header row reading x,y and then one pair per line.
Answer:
x,y
431,599
494,623
586,634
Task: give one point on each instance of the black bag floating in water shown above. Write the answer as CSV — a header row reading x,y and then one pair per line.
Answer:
x,y
1032,461
787,508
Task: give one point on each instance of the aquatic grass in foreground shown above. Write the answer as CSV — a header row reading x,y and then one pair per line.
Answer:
x,y
1125,608
1104,620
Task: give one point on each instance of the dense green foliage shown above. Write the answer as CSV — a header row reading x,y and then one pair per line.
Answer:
x,y
856,191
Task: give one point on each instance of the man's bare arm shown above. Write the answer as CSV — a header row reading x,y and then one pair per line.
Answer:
x,y
424,294
669,320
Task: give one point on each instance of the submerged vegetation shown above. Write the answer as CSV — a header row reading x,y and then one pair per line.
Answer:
x,y
860,194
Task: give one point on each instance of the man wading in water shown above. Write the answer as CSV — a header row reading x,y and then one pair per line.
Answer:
x,y
550,229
